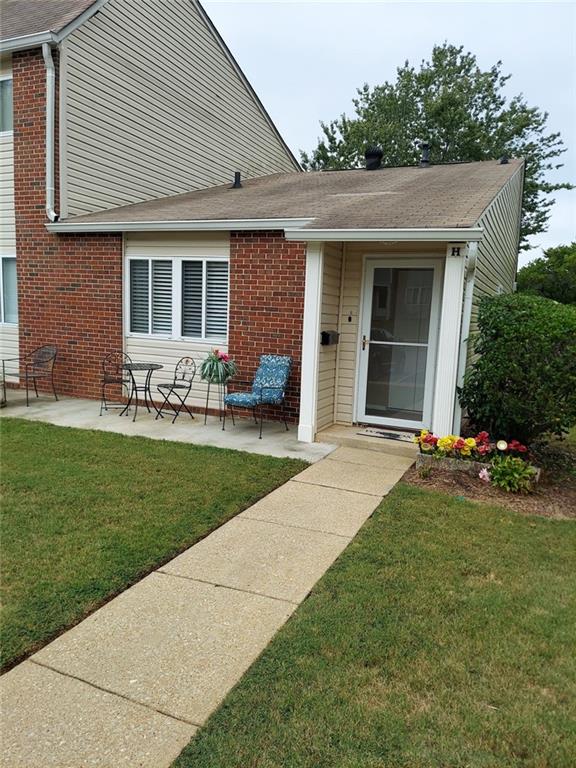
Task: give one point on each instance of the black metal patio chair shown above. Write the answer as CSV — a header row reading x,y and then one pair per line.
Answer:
x,y
114,375
268,389
39,364
180,386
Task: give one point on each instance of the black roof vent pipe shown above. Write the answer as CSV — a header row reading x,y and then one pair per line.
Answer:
x,y
237,183
373,157
425,159
504,160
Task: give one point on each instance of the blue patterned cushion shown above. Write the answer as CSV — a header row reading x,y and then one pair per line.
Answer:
x,y
241,399
269,386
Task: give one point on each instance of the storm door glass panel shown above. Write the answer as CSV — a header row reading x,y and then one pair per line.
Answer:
x,y
399,335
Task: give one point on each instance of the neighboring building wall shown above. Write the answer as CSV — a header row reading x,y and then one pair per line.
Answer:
x,y
497,259
350,313
154,106
328,355
168,352
69,286
8,331
267,277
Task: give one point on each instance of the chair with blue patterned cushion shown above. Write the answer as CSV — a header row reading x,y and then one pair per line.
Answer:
x,y
268,389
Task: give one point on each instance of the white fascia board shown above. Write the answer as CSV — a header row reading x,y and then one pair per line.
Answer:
x,y
28,41
178,226
453,234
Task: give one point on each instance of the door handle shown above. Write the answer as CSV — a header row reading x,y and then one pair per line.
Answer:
x,y
364,342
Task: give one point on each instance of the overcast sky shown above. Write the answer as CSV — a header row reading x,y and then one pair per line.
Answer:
x,y
306,59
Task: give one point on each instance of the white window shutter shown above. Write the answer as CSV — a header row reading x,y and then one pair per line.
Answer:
x,y
139,296
216,299
162,297
192,298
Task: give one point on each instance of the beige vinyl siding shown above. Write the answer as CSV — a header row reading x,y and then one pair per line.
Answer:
x,y
167,352
8,333
497,258
152,106
331,277
9,349
350,313
7,221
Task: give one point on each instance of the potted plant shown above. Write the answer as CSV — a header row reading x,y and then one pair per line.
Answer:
x,y
218,367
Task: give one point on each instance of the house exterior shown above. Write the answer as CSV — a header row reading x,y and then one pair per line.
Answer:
x,y
392,261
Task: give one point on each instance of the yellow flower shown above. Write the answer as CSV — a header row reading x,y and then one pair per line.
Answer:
x,y
446,443
471,442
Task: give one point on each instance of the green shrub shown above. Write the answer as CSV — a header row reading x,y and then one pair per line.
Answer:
x,y
511,474
523,382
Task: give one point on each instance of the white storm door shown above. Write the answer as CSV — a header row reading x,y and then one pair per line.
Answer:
x,y
398,342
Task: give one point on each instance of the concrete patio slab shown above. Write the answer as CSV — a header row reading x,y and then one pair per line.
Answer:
x,y
261,557
373,480
371,458
315,508
83,414
169,643
50,720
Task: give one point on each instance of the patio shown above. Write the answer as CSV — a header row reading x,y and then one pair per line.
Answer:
x,y
83,414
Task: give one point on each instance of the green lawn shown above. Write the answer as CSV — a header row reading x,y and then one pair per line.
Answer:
x,y
85,514
443,636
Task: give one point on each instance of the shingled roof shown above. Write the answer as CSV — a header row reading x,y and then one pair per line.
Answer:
x,y
441,196
19,18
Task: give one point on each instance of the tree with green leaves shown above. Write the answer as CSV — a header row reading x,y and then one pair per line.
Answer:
x,y
553,275
462,112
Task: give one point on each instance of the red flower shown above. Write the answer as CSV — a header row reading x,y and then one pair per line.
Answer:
x,y
430,439
484,449
515,445
482,437
459,444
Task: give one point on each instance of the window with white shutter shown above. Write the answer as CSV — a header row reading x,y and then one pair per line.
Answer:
x,y
139,296
162,297
216,299
182,298
8,290
192,298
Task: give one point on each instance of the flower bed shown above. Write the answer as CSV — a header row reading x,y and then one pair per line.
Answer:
x,y
505,464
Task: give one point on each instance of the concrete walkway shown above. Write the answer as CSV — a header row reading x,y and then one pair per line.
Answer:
x,y
132,683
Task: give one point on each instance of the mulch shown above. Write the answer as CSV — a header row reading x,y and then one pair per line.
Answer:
x,y
554,496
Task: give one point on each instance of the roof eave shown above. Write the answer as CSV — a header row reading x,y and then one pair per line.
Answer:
x,y
294,229
198,225
25,42
430,234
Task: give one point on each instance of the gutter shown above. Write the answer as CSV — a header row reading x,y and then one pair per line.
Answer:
x,y
25,42
50,113
293,230
449,234
201,225
470,278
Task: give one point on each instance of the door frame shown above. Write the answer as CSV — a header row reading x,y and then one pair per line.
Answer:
x,y
417,261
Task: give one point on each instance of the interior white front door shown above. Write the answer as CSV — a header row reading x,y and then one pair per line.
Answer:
x,y
398,342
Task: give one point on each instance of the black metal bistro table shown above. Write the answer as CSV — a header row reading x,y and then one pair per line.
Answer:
x,y
144,388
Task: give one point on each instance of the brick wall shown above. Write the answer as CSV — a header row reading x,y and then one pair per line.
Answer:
x,y
267,277
69,286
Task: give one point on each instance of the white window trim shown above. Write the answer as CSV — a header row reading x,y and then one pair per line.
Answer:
x,y
176,299
2,257
11,131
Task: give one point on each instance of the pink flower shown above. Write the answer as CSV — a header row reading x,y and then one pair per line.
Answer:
x,y
484,449
223,356
484,475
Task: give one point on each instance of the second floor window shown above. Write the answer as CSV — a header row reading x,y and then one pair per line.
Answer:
x,y
5,105
179,298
